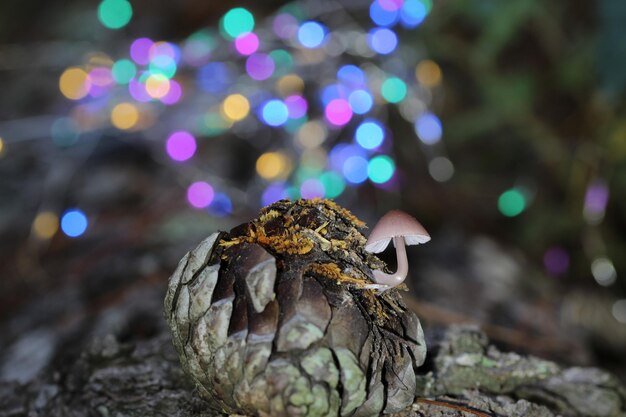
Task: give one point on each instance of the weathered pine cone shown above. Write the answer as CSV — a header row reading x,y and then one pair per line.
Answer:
x,y
275,318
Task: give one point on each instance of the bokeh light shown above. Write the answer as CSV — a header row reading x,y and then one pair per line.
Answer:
x,y
441,169
355,169
275,191
512,202
312,188
556,261
382,40
138,91
260,66
237,21
370,134
157,85
285,25
380,169
64,132
603,271
618,309
198,47
428,128
274,113
596,200
124,116
383,15
311,134
174,93
413,12
311,34
74,83
115,14
1,146
360,101
247,43
297,106
428,73
221,206
214,77
45,225
334,184
393,89
74,223
390,5
273,165
352,76
123,71
338,112
236,107
289,84
181,146
140,50
200,194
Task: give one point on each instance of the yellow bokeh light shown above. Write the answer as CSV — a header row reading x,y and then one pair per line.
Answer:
x,y
157,85
1,145
428,73
235,107
289,84
45,225
124,116
273,165
311,134
74,83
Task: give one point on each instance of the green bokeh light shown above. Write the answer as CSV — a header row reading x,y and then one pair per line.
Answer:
x,y
333,184
213,124
115,14
511,202
393,90
380,169
283,61
237,21
163,65
123,71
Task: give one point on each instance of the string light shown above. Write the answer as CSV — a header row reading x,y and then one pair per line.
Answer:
x,y
237,21
428,128
380,169
115,14
236,107
74,223
45,225
370,134
428,73
311,34
181,146
124,116
74,83
200,194
512,202
273,165
393,89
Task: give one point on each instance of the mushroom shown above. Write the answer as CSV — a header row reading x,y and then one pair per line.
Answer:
x,y
404,230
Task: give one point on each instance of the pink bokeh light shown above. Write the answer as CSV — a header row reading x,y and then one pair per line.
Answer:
x,y
247,43
338,112
200,194
181,146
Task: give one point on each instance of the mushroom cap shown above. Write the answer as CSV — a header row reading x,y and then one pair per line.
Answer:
x,y
393,224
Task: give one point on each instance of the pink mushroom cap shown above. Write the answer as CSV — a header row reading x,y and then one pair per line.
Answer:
x,y
396,223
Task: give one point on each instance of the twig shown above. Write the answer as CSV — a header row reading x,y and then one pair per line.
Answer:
x,y
453,406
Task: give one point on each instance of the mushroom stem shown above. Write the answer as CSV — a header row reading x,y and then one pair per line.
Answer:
x,y
403,266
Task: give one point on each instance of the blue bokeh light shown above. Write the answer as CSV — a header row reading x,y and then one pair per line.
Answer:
x,y
355,169
370,134
383,17
382,40
352,76
274,113
361,101
214,77
74,223
341,152
274,192
221,206
413,12
428,128
332,92
311,34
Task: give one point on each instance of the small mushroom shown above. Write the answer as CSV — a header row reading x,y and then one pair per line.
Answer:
x,y
404,230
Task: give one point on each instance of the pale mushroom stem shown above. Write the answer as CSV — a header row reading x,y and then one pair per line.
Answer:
x,y
403,266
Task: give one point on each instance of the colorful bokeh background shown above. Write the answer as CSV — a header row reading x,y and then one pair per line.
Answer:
x,y
129,130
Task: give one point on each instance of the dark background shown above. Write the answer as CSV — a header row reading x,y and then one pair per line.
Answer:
x,y
531,99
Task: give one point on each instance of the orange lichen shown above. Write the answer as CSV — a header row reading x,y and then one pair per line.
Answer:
x,y
332,271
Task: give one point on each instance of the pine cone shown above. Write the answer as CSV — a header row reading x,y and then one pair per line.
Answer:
x,y
279,317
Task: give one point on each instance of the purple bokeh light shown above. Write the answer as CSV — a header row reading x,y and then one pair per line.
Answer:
x,y
181,146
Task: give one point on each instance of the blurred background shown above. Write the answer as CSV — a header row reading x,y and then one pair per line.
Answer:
x,y
130,130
